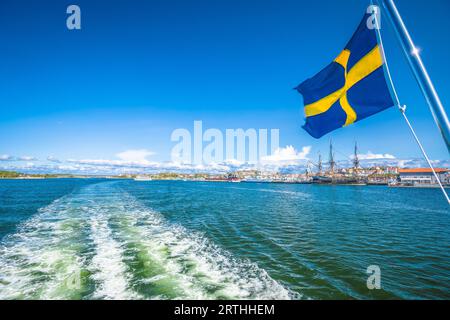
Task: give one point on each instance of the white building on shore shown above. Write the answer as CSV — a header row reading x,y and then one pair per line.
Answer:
x,y
423,176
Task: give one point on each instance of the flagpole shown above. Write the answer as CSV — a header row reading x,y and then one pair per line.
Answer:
x,y
402,109
415,62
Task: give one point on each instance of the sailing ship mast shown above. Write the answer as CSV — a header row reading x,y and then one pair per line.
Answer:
x,y
319,165
355,158
331,161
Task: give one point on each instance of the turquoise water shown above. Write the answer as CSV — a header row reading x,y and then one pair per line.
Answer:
x,y
123,239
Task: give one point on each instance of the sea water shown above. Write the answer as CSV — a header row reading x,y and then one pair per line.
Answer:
x,y
125,239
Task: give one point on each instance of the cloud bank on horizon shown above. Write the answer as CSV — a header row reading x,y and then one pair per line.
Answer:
x,y
374,156
7,157
136,161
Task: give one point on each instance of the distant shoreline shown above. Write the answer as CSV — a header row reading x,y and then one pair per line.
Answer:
x,y
179,180
62,177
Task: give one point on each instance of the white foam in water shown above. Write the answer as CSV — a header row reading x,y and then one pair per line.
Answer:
x,y
294,193
176,249
37,261
109,269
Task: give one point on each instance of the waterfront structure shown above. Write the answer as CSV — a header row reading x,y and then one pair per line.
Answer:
x,y
422,176
143,178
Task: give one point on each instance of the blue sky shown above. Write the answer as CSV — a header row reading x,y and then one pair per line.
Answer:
x,y
137,70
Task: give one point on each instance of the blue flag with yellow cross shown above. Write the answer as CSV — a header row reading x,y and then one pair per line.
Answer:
x,y
351,88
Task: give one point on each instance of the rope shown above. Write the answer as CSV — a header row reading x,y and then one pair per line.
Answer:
x,y
402,109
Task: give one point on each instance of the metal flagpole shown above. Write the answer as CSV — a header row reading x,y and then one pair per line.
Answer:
x,y
418,68
402,109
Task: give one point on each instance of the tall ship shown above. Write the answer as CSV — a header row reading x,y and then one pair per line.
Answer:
x,y
332,176
320,177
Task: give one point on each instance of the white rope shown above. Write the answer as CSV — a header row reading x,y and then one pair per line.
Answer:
x,y
402,109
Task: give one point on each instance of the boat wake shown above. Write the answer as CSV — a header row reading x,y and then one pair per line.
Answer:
x,y
102,243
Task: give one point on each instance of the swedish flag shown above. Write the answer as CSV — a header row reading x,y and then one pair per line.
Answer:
x,y
351,88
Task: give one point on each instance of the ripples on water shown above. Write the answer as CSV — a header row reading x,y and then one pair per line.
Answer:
x,y
169,240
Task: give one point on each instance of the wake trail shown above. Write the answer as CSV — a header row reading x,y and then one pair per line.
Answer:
x,y
102,243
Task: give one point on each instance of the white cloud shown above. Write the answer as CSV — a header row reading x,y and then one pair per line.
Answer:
x,y
286,159
26,158
128,158
6,157
53,159
233,162
374,156
287,154
116,167
132,159
135,156
112,163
